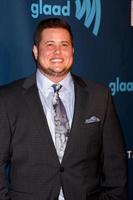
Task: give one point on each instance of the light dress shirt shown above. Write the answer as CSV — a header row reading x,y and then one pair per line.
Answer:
x,y
46,94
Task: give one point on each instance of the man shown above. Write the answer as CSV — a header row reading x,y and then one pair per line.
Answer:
x,y
59,133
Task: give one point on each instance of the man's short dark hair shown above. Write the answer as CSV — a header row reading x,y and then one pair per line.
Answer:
x,y
51,23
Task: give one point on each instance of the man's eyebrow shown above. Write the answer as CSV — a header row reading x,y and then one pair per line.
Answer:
x,y
65,41
45,42
52,41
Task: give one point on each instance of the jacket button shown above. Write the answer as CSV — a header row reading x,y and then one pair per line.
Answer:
x,y
61,169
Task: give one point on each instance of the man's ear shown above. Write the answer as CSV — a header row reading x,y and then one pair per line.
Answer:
x,y
35,52
73,50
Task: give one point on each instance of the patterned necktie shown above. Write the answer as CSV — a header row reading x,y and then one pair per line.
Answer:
x,y
62,128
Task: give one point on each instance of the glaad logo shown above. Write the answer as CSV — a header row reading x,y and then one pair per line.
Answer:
x,y
120,86
46,9
90,8
92,11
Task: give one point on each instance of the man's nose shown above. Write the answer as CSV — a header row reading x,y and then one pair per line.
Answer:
x,y
57,49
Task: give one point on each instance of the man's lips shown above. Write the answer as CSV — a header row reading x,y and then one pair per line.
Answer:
x,y
55,60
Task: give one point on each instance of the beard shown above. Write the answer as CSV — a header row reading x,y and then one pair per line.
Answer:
x,y
52,73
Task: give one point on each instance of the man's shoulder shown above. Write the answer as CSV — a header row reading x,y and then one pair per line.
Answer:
x,y
90,85
15,86
12,85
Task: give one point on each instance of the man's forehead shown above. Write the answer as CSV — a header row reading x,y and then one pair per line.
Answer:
x,y
56,29
51,33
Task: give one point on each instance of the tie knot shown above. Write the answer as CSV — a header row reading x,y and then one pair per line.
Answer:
x,y
56,87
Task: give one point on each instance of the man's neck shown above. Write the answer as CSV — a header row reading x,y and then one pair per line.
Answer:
x,y
55,79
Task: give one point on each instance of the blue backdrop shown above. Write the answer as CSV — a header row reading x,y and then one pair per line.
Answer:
x,y
103,40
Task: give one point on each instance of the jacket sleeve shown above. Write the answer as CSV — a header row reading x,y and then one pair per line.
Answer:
x,y
114,173
5,138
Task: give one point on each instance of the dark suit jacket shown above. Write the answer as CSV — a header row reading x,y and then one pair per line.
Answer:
x,y
94,163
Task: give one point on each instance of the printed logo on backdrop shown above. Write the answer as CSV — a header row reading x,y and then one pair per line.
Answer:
x,y
90,10
130,154
131,12
118,86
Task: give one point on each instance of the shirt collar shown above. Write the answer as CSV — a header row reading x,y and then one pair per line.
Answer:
x,y
44,84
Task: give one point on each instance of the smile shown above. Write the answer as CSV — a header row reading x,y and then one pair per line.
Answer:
x,y
56,60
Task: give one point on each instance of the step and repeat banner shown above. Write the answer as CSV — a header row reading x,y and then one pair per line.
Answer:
x,y
103,40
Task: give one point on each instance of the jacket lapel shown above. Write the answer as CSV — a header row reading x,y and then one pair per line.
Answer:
x,y
80,112
33,101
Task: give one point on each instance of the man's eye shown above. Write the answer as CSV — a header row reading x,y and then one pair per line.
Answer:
x,y
50,45
65,45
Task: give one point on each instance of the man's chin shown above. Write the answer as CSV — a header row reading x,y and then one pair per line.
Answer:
x,y
53,73
58,74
